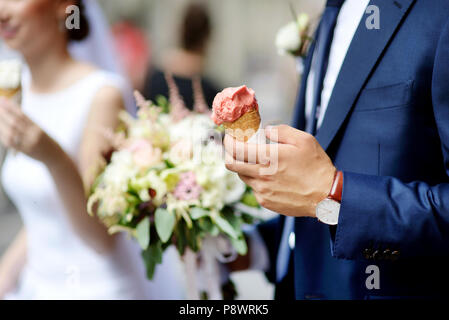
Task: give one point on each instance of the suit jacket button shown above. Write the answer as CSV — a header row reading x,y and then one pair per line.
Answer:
x,y
395,255
367,254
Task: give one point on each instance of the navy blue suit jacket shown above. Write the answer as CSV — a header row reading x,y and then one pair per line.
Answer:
x,y
387,128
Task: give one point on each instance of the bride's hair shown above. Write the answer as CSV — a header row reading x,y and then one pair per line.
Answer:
x,y
83,32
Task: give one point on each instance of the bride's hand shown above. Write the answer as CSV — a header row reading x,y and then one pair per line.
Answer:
x,y
18,132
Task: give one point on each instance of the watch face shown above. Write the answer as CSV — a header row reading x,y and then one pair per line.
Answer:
x,y
327,211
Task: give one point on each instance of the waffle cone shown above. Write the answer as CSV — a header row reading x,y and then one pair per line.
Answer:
x,y
245,127
9,93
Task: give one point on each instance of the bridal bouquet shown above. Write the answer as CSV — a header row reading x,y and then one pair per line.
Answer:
x,y
165,183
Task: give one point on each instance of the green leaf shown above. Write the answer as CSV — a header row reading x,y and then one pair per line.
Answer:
x,y
250,200
215,231
233,219
152,257
240,245
180,234
162,102
197,213
143,233
132,200
206,225
165,222
193,237
248,219
226,227
169,164
220,129
171,179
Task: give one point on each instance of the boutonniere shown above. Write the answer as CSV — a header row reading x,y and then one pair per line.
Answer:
x,y
294,37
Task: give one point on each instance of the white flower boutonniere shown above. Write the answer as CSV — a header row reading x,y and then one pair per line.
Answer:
x,y
294,37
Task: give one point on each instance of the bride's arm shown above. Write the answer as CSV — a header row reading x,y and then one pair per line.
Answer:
x,y
104,117
19,132
70,186
11,264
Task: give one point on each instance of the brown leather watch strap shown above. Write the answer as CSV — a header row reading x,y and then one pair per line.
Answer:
x,y
337,187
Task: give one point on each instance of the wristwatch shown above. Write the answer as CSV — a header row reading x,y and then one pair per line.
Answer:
x,y
328,210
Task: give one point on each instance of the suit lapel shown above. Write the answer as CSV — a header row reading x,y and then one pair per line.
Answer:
x,y
364,52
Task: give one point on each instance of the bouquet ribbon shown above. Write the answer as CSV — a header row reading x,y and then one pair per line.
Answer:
x,y
215,250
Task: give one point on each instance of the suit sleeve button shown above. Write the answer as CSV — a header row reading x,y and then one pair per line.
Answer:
x,y
387,254
395,255
376,255
367,254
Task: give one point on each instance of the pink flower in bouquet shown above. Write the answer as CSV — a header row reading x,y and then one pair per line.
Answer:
x,y
144,155
187,188
178,108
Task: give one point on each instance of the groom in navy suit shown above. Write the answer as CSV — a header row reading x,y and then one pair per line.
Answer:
x,y
363,178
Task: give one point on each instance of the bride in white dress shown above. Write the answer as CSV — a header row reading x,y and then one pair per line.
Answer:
x,y
62,253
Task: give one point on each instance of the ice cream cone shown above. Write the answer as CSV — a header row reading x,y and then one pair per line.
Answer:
x,y
10,80
245,127
9,93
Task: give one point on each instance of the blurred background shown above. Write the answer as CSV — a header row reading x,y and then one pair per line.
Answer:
x,y
239,50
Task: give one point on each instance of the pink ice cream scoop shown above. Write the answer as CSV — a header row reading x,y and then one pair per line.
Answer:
x,y
232,103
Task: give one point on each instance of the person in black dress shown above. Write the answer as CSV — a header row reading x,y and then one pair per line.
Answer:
x,y
186,63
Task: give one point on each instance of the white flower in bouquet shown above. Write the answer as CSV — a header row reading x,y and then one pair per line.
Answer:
x,y
212,198
195,127
221,189
181,129
234,188
220,186
111,202
207,175
153,132
113,205
204,122
181,151
148,127
211,176
141,131
208,154
121,169
110,194
151,180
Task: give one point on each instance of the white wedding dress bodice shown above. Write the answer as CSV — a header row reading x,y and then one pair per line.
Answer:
x,y
59,264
